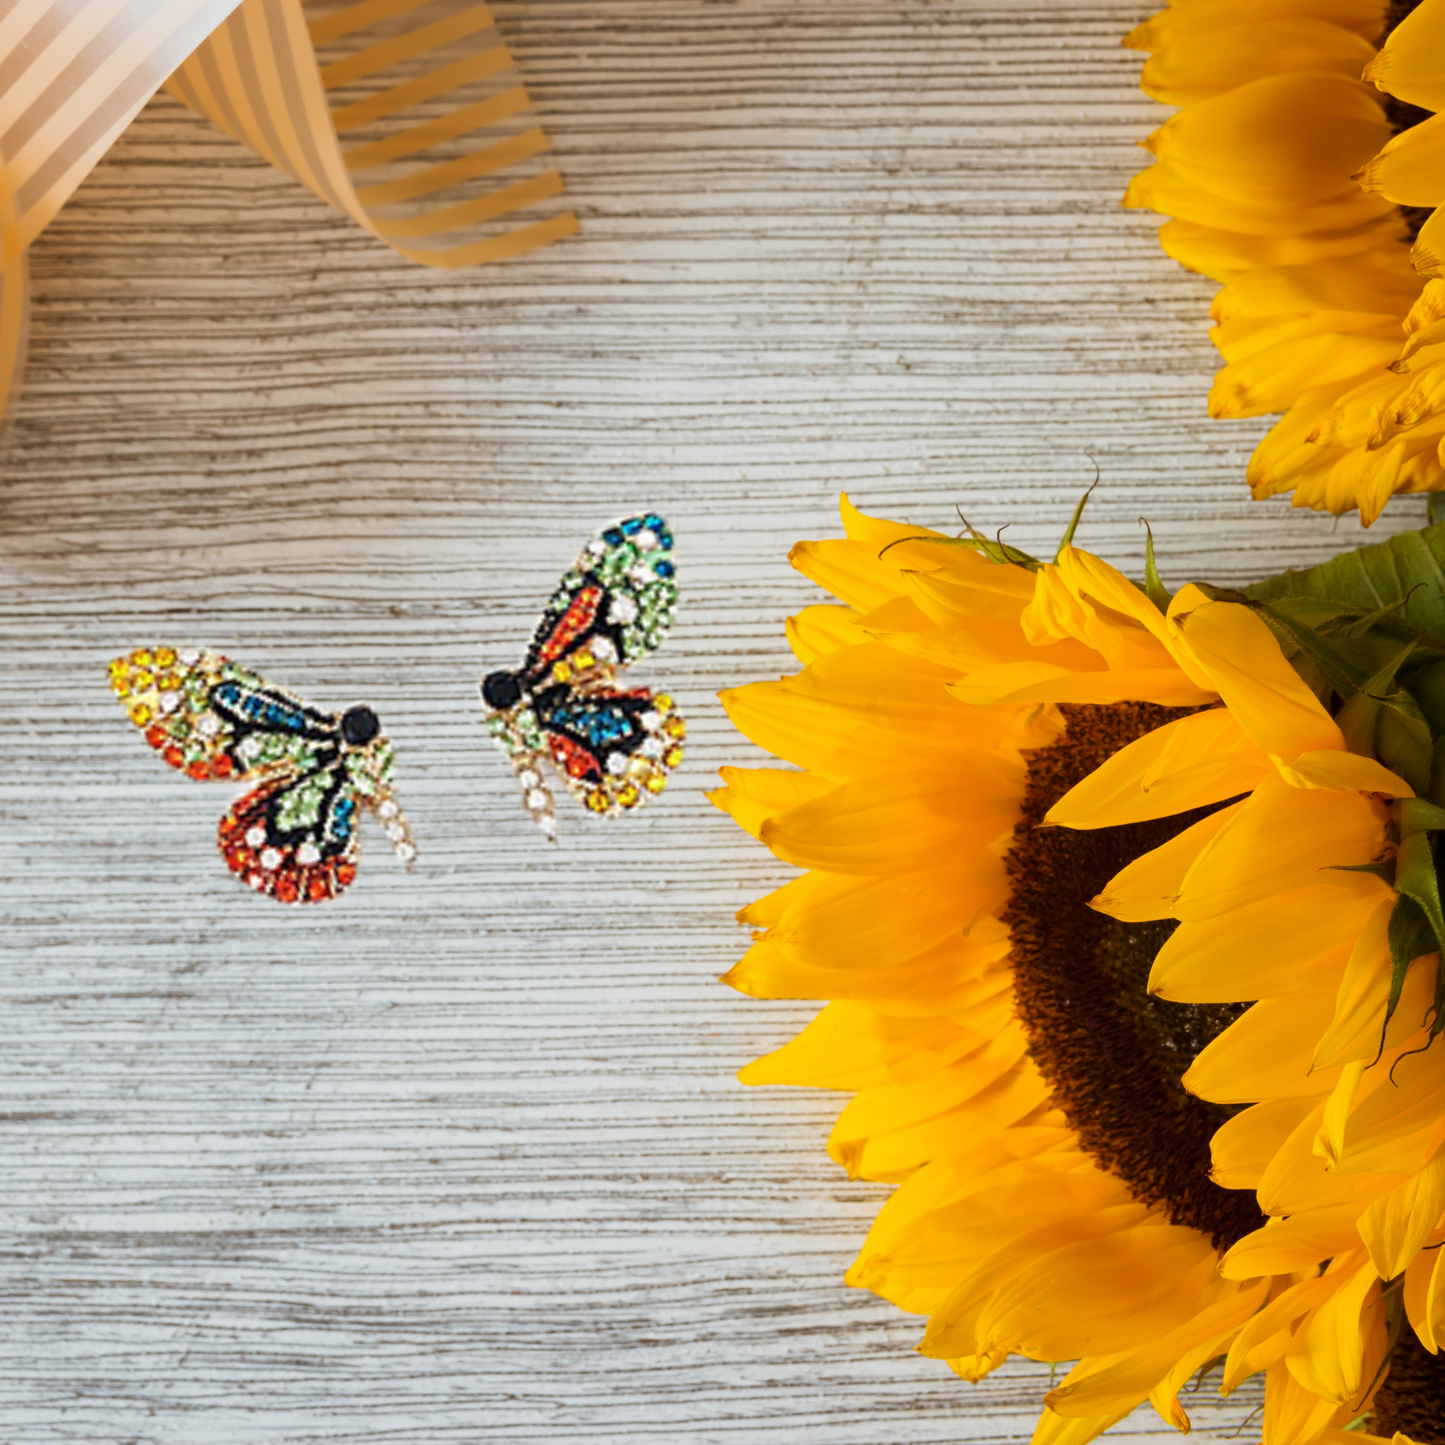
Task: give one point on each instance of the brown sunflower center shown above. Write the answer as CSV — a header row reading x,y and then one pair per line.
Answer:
x,y
1412,1397
1112,1054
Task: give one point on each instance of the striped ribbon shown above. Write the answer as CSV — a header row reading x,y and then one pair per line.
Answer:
x,y
435,120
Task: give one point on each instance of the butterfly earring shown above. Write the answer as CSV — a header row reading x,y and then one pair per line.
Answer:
x,y
611,747
294,836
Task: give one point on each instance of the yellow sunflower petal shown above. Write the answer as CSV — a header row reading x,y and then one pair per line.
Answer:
x,y
1104,1295
1301,1242
1280,838
1150,886
1242,659
1266,1336
752,795
1054,1429
887,826
1408,65
1396,1226
1124,1382
954,1325
1408,168
1012,1095
1027,682
821,629
1215,60
1357,1030
1343,773
1424,1295
849,1046
1427,255
1264,1054
1283,139
1182,765
1328,1353
1243,1147
1297,940
1399,1117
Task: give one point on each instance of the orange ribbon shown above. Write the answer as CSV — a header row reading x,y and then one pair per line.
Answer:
x,y
435,116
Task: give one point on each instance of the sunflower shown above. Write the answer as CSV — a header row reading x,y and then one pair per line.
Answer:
x,y
1009,1070
1315,901
1286,187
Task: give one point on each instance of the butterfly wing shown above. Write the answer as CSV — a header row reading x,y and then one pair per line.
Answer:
x,y
614,605
294,836
613,748
211,718
295,839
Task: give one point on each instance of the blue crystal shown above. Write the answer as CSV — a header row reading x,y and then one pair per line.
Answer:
x,y
613,537
632,526
663,568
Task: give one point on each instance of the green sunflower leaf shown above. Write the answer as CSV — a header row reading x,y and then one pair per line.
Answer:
x,y
1404,573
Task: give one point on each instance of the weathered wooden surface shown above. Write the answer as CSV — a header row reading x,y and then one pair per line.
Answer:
x,y
461,1158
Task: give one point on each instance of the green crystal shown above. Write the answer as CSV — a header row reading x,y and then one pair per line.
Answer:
x,y
530,732
301,806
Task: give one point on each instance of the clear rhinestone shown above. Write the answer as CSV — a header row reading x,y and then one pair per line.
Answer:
x,y
396,832
640,575
255,837
622,611
208,725
597,547
537,800
307,854
548,825
652,721
387,810
645,540
251,746
189,656
256,881
617,763
603,650
270,859
528,779
169,700
406,851
653,747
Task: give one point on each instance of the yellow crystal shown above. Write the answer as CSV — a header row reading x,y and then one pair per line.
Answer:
x,y
672,757
674,727
656,783
562,671
597,800
628,796
142,658
120,676
140,714
165,657
663,702
583,660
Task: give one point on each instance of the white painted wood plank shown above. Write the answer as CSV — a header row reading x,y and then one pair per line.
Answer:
x,y
461,1158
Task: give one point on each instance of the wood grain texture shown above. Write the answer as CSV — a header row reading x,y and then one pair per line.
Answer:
x,y
461,1158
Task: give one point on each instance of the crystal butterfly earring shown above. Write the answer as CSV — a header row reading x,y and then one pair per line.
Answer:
x,y
295,836
612,747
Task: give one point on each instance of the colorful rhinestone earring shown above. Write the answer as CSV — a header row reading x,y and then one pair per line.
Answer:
x,y
294,836
610,747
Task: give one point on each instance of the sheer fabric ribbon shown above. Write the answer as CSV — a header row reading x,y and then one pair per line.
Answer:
x,y
417,100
